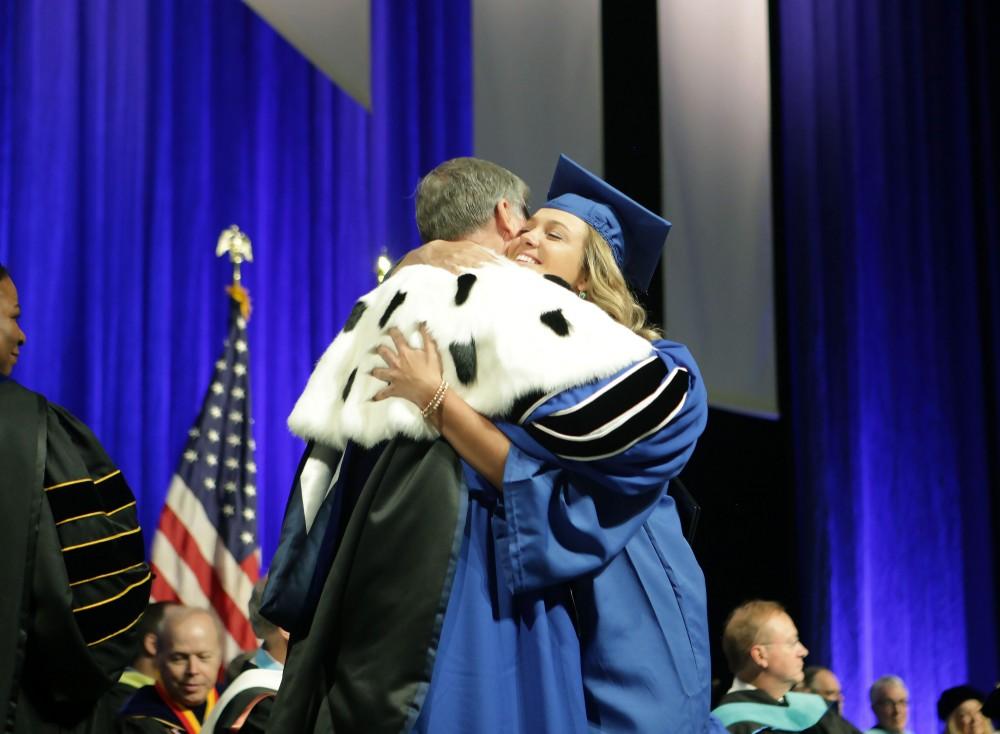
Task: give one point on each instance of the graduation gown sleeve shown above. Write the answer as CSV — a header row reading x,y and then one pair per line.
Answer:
x,y
588,467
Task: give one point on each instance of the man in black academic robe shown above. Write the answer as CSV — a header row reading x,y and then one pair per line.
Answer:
x,y
73,574
765,655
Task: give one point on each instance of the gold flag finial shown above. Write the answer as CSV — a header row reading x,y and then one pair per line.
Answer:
x,y
237,244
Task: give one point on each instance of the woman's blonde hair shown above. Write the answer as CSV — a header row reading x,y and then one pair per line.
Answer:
x,y
607,288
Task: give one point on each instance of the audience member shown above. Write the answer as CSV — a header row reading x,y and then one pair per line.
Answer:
x,y
249,697
823,682
142,671
890,701
765,656
188,660
274,640
961,710
74,579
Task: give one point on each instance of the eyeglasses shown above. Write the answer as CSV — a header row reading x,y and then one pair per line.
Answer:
x,y
887,702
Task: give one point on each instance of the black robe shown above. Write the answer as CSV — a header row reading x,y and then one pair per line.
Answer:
x,y
73,574
830,723
148,713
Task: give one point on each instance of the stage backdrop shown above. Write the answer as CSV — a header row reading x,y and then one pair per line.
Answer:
x,y
888,192
132,133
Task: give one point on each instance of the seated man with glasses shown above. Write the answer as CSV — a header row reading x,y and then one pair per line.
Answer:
x,y
765,656
890,700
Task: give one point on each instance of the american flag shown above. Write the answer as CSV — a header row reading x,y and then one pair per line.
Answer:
x,y
205,550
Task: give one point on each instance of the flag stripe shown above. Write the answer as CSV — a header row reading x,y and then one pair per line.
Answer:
x,y
185,505
208,579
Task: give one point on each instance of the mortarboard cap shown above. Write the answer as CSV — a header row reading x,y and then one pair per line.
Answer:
x,y
952,698
635,234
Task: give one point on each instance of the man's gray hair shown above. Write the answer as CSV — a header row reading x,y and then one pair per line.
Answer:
x,y
880,684
460,195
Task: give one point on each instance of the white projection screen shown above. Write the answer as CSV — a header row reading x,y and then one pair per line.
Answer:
x,y
537,79
715,135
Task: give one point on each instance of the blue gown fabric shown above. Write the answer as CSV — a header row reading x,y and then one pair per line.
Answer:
x,y
597,543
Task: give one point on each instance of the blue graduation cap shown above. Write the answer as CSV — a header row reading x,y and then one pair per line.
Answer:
x,y
635,234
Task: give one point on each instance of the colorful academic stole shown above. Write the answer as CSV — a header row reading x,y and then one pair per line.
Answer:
x,y
186,716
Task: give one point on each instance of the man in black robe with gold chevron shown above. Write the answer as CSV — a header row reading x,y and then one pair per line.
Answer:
x,y
74,578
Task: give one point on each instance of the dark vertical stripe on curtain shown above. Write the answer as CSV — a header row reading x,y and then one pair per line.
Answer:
x,y
890,240
132,133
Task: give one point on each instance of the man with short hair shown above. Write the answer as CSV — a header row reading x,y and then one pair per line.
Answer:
x,y
74,579
188,660
468,210
142,671
765,655
890,700
823,682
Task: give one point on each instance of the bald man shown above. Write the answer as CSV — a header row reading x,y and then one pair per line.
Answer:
x,y
188,660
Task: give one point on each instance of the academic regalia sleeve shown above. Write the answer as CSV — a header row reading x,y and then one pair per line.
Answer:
x,y
91,583
586,468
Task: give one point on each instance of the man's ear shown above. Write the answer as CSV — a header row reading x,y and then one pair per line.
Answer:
x,y
149,644
758,656
507,220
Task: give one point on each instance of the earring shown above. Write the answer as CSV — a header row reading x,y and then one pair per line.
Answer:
x,y
582,294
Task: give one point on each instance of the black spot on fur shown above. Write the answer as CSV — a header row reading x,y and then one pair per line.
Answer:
x,y
396,302
556,321
464,356
350,384
355,316
465,283
558,281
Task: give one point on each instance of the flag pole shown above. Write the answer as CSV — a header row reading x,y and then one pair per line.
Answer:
x,y
236,243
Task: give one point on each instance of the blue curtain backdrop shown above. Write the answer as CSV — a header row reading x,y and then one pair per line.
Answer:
x,y
886,126
132,133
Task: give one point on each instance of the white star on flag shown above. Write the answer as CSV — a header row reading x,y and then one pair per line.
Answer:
x,y
190,455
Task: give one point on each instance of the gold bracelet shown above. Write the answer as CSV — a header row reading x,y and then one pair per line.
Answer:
x,y
436,401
